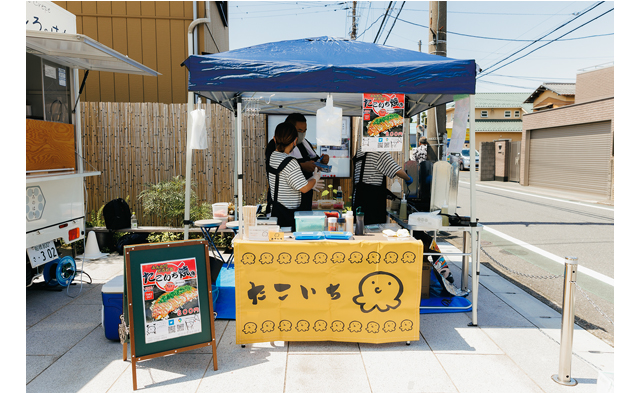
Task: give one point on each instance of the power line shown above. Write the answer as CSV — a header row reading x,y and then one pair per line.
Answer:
x,y
515,40
382,24
394,23
542,46
552,31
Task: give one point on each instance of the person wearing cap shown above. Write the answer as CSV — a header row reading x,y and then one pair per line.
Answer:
x,y
369,186
286,180
304,154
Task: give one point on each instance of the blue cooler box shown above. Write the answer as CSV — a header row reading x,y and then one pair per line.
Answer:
x,y
226,303
112,306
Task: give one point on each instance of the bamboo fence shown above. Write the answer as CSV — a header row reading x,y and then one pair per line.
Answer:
x,y
136,144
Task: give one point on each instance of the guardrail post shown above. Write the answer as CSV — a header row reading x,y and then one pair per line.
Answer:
x,y
566,342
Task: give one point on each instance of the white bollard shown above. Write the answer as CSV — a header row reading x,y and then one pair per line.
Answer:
x,y
566,337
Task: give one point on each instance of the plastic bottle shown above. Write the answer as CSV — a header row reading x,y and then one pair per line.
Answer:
x,y
134,221
403,208
339,194
349,221
341,224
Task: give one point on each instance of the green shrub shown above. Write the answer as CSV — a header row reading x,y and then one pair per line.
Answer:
x,y
165,200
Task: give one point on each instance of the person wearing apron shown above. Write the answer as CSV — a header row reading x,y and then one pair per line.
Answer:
x,y
369,186
305,155
286,181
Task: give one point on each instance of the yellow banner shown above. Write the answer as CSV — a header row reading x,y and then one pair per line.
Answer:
x,y
349,291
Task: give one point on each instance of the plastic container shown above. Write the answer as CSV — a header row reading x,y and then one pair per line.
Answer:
x,y
339,194
325,204
426,219
332,224
342,224
359,222
440,185
221,212
112,307
309,220
349,221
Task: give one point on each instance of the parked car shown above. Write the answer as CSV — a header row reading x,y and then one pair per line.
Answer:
x,y
465,163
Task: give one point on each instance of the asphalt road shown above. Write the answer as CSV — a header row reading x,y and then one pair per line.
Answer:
x,y
527,236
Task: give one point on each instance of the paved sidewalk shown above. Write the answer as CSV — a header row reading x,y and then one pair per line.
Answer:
x,y
514,348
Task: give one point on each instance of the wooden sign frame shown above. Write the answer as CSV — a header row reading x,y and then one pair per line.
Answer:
x,y
133,298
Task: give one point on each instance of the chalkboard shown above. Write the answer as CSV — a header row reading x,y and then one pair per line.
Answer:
x,y
168,299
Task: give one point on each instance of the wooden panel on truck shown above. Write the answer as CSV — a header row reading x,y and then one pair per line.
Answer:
x,y
50,146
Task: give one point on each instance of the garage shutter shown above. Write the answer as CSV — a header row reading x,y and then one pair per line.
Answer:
x,y
575,158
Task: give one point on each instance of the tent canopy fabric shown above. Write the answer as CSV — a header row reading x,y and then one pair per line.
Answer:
x,y
297,75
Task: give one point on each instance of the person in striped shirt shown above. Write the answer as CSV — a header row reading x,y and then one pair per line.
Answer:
x,y
286,181
369,187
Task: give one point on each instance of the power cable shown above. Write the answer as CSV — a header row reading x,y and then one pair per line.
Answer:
x,y
374,22
542,46
382,24
552,31
394,23
516,40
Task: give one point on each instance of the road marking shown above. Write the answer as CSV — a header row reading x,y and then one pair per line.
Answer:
x,y
544,197
551,256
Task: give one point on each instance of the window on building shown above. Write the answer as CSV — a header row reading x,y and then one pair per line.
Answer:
x,y
516,114
484,114
507,114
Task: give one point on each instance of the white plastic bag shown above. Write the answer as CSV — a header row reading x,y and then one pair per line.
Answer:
x,y
329,124
196,130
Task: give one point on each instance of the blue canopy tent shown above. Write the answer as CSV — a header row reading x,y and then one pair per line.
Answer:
x,y
302,72
297,75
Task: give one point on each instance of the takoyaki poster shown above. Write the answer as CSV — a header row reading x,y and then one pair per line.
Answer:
x,y
171,303
382,122
348,291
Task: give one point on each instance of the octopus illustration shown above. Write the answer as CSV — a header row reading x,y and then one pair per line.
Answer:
x,y
355,326
408,257
373,327
285,325
248,258
391,258
266,258
284,258
250,328
337,326
302,326
389,326
320,325
379,290
338,258
373,258
355,258
268,326
320,258
302,258
406,325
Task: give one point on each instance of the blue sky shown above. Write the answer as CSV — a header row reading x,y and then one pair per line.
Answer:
x,y
253,23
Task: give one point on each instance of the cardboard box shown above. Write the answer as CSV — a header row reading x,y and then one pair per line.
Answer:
x,y
426,279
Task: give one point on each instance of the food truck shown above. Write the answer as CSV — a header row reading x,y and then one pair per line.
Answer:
x,y
55,167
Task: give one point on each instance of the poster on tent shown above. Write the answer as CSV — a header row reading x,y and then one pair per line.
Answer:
x,y
170,297
382,122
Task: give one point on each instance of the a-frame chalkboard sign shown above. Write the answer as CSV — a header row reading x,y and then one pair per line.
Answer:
x,y
167,300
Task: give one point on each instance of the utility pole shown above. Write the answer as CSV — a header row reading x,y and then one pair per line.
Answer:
x,y
353,21
436,125
420,46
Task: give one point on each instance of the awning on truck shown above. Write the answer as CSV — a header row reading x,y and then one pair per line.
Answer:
x,y
81,52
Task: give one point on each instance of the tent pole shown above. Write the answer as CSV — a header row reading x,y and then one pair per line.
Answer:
x,y
239,164
190,102
472,156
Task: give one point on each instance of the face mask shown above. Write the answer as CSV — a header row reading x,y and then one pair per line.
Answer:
x,y
300,137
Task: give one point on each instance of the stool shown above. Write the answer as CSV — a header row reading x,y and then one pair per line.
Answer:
x,y
206,225
233,226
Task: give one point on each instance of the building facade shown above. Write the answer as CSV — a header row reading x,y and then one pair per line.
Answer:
x,y
498,117
153,33
571,147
